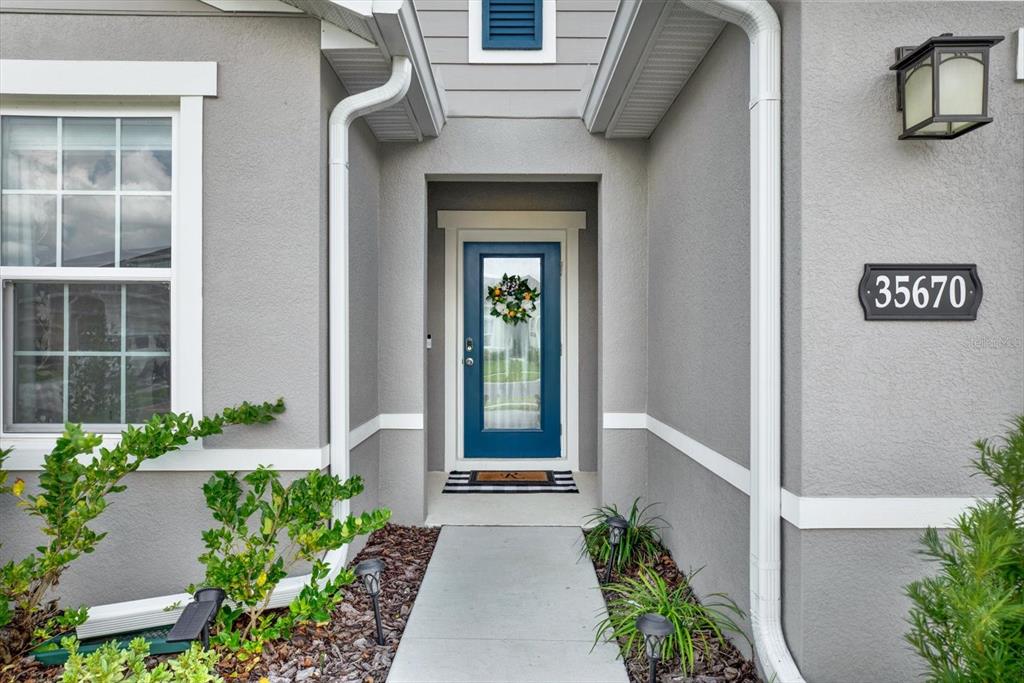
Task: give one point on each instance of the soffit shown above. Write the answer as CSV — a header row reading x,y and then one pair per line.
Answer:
x,y
659,46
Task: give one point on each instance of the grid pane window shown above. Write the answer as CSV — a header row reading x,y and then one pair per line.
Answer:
x,y
85,192
97,353
90,346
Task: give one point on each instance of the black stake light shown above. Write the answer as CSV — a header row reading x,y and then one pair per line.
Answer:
x,y
655,629
616,529
368,572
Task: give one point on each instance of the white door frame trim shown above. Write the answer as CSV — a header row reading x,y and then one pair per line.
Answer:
x,y
511,226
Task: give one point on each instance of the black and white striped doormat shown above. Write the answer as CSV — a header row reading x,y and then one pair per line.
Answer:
x,y
511,482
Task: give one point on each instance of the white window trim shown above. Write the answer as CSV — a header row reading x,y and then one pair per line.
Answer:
x,y
26,88
511,226
547,54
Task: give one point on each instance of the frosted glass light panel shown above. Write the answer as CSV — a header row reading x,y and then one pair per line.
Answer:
x,y
97,353
79,192
942,85
511,353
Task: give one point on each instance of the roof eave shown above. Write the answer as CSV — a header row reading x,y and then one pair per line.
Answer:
x,y
400,33
392,28
627,40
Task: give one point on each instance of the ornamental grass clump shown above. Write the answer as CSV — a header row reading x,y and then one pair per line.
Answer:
x,y
640,544
696,625
967,622
244,556
72,494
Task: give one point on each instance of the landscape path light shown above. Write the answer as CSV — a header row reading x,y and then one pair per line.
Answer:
x,y
655,628
616,529
368,572
942,86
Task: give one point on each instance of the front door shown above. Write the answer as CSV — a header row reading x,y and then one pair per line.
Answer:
x,y
511,350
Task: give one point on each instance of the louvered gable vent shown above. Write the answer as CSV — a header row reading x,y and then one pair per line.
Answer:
x,y
512,24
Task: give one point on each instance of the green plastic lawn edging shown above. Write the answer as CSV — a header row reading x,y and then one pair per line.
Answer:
x,y
156,637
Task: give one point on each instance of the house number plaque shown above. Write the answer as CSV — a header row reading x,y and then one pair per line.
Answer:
x,y
920,291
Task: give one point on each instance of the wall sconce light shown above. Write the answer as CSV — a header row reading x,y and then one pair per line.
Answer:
x,y
944,102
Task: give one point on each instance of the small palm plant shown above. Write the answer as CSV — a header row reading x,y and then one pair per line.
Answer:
x,y
640,544
967,622
695,625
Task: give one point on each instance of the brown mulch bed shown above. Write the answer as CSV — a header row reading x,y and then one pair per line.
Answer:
x,y
346,649
723,663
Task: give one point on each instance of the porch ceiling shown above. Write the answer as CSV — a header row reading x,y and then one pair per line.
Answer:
x,y
358,38
653,49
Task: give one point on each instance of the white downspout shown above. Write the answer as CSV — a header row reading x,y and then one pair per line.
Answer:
x,y
342,116
149,612
759,21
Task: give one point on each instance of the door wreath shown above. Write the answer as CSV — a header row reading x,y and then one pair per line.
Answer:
x,y
513,299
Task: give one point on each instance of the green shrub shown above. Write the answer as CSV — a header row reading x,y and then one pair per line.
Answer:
x,y
243,556
640,544
695,624
108,664
72,495
967,622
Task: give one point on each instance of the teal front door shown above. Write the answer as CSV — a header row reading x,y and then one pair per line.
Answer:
x,y
511,352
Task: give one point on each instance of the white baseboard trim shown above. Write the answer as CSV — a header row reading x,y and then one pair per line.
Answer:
x,y
807,512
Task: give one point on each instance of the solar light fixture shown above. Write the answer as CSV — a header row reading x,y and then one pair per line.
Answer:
x,y
616,529
194,621
942,86
368,572
655,628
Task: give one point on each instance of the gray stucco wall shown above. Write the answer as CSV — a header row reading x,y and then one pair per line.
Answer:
x,y
512,196
512,149
869,408
262,270
845,610
914,396
154,538
699,320
265,271
707,525
699,246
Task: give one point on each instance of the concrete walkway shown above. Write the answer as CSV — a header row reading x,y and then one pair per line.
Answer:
x,y
503,604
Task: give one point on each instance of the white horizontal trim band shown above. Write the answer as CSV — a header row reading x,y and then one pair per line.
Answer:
x,y
107,78
30,449
30,458
384,421
807,512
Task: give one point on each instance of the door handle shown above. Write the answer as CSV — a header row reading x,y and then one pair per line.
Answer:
x,y
469,349
469,362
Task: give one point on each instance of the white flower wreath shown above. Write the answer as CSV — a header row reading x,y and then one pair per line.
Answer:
x,y
513,299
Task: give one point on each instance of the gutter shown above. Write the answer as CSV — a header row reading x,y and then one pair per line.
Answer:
x,y
149,612
761,24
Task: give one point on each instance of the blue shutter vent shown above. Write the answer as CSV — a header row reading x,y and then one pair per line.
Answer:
x,y
512,24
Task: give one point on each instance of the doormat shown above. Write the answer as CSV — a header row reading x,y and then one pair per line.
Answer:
x,y
511,482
